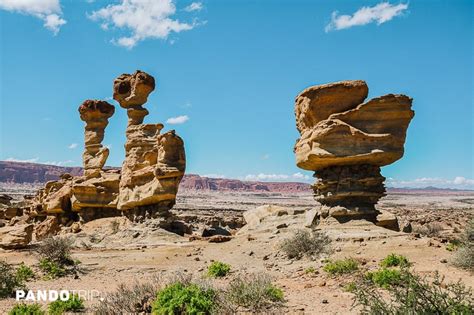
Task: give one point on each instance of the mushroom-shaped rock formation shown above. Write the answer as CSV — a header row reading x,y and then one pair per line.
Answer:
x,y
346,141
96,114
148,154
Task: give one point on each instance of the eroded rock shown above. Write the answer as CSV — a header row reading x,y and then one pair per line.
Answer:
x,y
17,236
346,141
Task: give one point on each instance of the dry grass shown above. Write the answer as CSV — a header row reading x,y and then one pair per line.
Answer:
x,y
305,243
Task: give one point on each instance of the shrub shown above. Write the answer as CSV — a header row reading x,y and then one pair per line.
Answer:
x,y
253,292
52,269
24,273
56,249
26,309
218,269
464,257
305,243
132,299
350,287
310,270
385,277
342,266
414,295
73,304
431,229
179,298
9,281
394,260
453,245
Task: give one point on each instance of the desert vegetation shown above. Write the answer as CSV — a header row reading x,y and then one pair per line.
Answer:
x,y
304,243
464,256
55,259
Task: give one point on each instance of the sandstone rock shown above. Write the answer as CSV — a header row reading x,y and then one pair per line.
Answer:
x,y
18,236
388,220
48,227
255,216
5,199
12,212
219,239
346,141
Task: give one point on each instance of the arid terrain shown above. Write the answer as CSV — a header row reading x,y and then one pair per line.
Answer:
x,y
116,250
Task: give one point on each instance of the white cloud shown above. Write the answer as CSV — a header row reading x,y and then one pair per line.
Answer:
x,y
214,176
380,13
195,6
47,10
277,177
72,146
36,160
458,182
108,146
177,120
33,160
144,18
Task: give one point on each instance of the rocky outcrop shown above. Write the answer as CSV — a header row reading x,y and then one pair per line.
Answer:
x,y
96,115
153,167
16,236
154,163
346,140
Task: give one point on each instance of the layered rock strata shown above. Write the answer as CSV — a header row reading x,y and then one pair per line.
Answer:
x,y
152,170
346,140
154,163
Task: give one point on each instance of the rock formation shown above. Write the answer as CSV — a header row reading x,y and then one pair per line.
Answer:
x,y
153,167
154,163
345,141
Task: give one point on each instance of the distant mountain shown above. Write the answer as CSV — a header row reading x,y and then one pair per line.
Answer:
x,y
17,172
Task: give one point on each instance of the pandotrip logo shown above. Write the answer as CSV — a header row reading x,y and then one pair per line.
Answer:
x,y
55,295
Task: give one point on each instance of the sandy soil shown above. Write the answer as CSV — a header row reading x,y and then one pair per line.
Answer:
x,y
123,258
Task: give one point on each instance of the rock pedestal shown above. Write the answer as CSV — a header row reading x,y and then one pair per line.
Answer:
x,y
154,163
95,113
346,140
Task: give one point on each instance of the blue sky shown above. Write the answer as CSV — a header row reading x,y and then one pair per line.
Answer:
x,y
228,72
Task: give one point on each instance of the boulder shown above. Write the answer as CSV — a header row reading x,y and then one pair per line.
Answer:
x,y
17,236
48,227
255,216
387,220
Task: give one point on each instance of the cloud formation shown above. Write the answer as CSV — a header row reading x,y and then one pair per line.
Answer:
x,y
72,146
380,13
47,10
36,160
459,182
143,18
195,6
277,177
177,120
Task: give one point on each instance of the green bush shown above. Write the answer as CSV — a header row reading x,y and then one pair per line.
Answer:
x,y
52,269
341,266
179,298
310,270
394,260
26,309
218,269
305,243
464,257
253,292
385,277
9,281
73,304
414,295
24,273
56,249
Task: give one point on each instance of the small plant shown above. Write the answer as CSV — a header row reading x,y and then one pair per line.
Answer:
x,y
464,257
385,277
305,243
56,249
350,287
52,269
24,273
343,266
114,226
414,295
431,229
254,293
73,304
179,298
9,281
26,309
394,260
310,270
218,269
133,299
453,246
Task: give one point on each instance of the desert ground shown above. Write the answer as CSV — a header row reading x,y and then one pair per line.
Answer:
x,y
137,252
